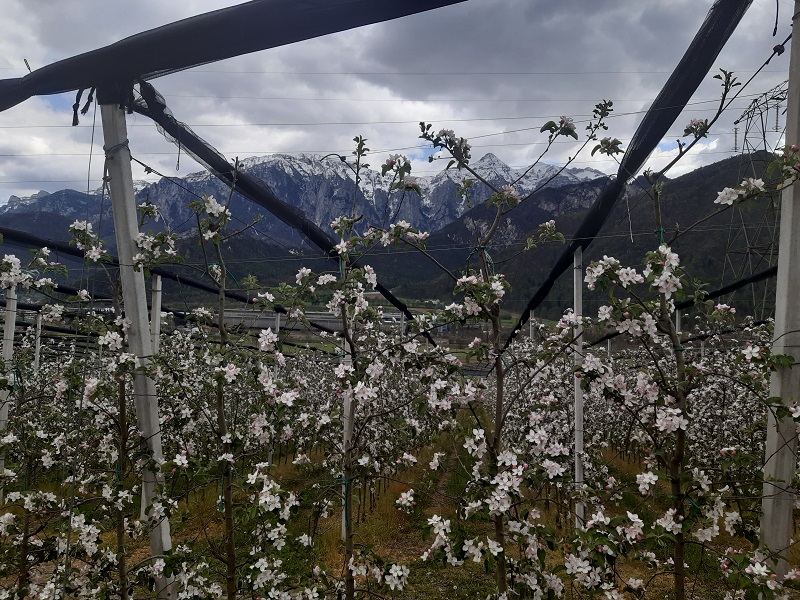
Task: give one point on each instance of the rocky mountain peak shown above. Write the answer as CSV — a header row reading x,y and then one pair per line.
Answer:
x,y
322,188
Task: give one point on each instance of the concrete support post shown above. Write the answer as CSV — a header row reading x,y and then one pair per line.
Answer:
x,y
134,297
577,290
781,449
9,325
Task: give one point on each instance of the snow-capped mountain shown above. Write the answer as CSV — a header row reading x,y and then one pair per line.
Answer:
x,y
321,189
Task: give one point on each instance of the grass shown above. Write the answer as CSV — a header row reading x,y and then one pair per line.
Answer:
x,y
431,580
395,535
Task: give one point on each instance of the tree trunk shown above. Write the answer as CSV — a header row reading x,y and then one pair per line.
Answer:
x,y
24,576
227,500
349,580
122,568
222,427
497,448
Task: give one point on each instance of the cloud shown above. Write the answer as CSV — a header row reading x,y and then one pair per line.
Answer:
x,y
492,70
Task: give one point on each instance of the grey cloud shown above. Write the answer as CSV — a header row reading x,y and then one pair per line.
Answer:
x,y
613,49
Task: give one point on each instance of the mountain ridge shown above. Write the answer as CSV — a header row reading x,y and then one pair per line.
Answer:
x,y
322,190
718,252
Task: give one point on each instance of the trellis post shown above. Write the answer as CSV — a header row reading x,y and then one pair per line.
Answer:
x,y
781,449
9,325
530,324
120,179
577,285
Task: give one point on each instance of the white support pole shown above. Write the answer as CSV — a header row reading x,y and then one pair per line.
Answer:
x,y
781,449
37,350
276,368
9,325
134,297
577,285
155,314
530,324
677,325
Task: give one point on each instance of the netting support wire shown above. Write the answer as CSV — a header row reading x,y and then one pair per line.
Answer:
x,y
577,291
781,448
9,325
118,166
698,59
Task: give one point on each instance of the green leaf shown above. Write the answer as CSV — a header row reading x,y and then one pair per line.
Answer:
x,y
771,169
489,564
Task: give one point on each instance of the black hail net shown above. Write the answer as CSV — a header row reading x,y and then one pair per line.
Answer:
x,y
152,105
210,37
718,26
27,240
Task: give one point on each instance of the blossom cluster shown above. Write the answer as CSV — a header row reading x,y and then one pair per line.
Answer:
x,y
154,248
85,239
12,274
748,188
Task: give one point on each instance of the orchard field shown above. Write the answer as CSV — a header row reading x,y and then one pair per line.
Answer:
x,y
374,463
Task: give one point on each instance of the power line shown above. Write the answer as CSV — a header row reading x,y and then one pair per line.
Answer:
x,y
263,152
402,99
350,123
439,73
399,149
400,73
465,247
415,121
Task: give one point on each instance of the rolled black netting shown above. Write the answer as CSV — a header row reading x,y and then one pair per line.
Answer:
x,y
151,104
767,273
28,240
698,59
205,38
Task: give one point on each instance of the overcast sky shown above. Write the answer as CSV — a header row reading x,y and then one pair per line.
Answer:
x,y
492,70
